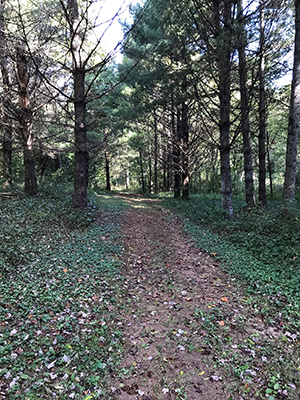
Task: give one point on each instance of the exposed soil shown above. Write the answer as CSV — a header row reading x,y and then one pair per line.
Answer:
x,y
171,285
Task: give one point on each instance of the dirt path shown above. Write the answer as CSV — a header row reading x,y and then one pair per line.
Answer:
x,y
182,307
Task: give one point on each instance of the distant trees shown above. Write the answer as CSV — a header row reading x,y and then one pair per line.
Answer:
x,y
57,57
228,48
193,106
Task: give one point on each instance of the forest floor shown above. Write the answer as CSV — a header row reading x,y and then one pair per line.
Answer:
x,y
119,302
189,330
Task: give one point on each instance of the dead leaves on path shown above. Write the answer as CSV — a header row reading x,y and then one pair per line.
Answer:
x,y
171,338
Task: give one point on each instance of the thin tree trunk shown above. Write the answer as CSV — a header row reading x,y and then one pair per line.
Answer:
x,y
149,160
224,66
155,155
81,152
150,175
25,120
164,157
169,161
294,118
107,170
270,168
142,173
185,145
176,154
262,112
7,131
7,123
127,179
248,166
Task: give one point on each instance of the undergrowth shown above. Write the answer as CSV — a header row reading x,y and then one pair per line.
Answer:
x,y
260,249
59,282
260,246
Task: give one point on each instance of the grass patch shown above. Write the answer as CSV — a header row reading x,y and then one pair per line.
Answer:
x,y
60,282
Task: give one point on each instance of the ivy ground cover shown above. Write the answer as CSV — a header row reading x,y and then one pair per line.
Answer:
x,y
59,280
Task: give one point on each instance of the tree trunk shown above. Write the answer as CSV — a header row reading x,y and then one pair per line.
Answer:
x,y
185,145
81,152
294,117
142,173
169,161
127,179
150,174
25,119
248,166
149,160
262,112
270,169
7,123
155,155
107,171
176,154
164,157
223,38
7,131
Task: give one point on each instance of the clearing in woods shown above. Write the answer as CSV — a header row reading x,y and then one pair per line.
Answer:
x,y
189,332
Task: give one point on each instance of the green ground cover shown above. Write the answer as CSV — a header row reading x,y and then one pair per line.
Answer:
x,y
261,247
59,281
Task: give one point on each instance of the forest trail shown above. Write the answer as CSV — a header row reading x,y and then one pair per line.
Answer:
x,y
170,287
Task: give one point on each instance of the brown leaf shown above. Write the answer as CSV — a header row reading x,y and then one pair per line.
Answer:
x,y
224,299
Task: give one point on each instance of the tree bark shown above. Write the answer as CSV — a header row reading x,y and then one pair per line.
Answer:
x,y
294,118
107,171
169,161
142,173
25,120
155,155
248,166
223,43
127,179
81,152
185,145
149,160
7,123
262,112
176,154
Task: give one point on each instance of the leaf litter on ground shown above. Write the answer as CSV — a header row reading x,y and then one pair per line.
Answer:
x,y
59,280
66,309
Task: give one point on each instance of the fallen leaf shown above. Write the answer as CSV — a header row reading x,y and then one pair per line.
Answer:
x,y
201,373
51,365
